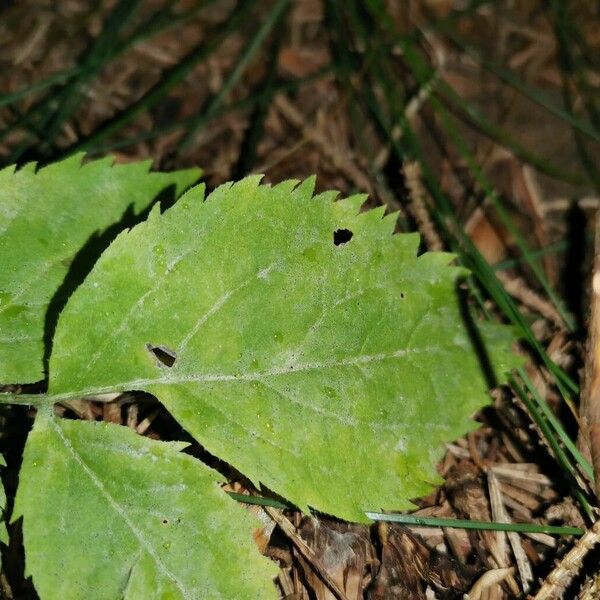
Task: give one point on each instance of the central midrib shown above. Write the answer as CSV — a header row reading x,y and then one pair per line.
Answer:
x,y
292,369
144,543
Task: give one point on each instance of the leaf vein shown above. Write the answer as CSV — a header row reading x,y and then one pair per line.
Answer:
x,y
290,369
219,304
138,534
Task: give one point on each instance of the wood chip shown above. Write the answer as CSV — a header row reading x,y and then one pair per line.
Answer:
x,y
590,398
305,551
488,579
501,516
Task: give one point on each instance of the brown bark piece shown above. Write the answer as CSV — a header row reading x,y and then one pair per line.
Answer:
x,y
590,399
408,566
344,550
308,555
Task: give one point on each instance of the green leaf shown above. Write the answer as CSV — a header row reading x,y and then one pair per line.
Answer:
x,y
109,514
333,374
46,217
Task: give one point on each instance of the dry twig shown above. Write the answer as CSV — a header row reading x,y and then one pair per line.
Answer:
x,y
418,205
590,399
518,289
561,576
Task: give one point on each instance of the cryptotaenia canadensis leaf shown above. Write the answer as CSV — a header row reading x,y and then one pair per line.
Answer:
x,y
109,514
292,335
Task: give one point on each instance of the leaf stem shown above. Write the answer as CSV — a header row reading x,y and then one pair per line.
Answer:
x,y
37,400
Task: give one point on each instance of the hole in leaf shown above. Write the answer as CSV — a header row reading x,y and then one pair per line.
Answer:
x,y
164,355
80,264
342,236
